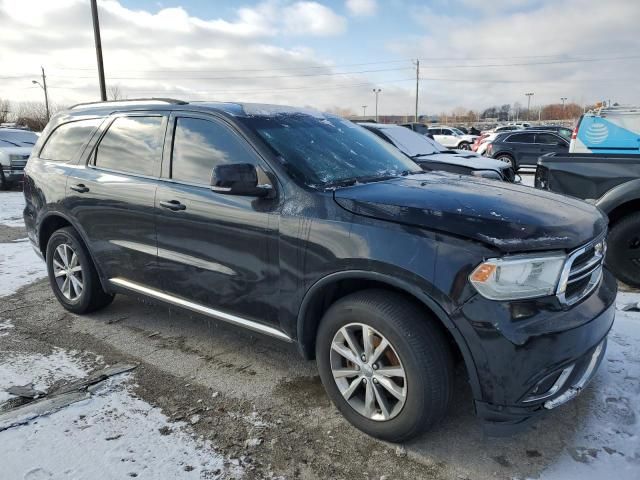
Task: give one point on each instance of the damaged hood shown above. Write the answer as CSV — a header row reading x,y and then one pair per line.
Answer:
x,y
510,218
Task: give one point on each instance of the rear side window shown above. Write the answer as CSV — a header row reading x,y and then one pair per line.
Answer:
x,y
547,139
132,145
66,141
520,138
200,145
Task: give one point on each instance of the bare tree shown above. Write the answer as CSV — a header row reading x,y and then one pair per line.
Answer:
x,y
33,114
114,92
5,110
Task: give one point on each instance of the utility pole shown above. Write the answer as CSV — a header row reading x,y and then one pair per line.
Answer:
x,y
43,86
98,42
417,64
364,111
377,92
563,100
529,95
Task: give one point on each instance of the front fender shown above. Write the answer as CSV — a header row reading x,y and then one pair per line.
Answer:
x,y
623,193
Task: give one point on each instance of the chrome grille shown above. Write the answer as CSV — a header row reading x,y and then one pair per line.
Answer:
x,y
582,272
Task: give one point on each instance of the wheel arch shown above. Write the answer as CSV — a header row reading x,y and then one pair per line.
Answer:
x,y
336,285
54,221
621,200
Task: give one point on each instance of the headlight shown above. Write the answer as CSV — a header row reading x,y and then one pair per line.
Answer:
x,y
492,174
518,276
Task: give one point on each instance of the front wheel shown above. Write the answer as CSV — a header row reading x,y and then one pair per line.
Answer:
x,y
623,252
72,275
385,364
464,146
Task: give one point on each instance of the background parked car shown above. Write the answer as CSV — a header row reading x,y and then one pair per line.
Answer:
x,y
451,137
15,148
430,155
559,129
524,147
612,183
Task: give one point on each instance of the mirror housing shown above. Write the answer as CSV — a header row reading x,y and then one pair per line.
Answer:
x,y
240,179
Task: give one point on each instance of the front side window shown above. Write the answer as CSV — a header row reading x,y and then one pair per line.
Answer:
x,y
547,139
65,142
132,145
200,145
319,150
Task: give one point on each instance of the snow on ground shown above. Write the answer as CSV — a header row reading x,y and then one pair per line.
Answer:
x,y
113,434
11,206
19,266
608,445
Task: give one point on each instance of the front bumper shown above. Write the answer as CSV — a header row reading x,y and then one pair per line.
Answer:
x,y
13,176
534,356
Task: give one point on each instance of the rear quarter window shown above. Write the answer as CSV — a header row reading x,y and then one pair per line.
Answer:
x,y
66,141
520,138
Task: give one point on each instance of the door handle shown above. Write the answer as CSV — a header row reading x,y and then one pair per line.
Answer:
x,y
174,205
80,188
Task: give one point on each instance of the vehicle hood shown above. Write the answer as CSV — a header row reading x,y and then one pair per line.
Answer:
x,y
467,159
510,218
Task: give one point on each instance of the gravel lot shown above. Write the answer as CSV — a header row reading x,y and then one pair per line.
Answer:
x,y
212,401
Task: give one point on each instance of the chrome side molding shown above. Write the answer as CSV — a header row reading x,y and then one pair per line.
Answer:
x,y
217,314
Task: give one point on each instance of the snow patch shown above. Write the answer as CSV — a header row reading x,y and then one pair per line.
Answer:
x,y
12,205
5,327
19,266
111,435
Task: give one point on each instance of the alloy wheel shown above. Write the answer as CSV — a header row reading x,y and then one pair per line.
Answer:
x,y
368,372
67,271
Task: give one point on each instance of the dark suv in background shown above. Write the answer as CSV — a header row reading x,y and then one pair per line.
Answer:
x,y
310,229
522,148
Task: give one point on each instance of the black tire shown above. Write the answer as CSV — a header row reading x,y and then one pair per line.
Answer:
x,y
92,297
623,252
4,185
421,347
505,157
464,146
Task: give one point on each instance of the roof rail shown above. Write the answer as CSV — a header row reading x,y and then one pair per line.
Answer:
x,y
128,101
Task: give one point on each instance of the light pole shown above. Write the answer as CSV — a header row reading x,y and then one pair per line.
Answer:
x,y
563,100
43,86
98,42
529,95
364,111
377,92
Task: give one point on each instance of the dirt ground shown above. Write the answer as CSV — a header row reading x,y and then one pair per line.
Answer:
x,y
263,406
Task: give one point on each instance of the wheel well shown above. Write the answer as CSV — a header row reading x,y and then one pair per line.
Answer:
x,y
329,294
50,225
623,210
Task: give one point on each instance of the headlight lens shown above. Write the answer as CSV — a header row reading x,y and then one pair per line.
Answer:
x,y
518,276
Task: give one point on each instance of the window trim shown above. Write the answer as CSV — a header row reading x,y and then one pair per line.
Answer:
x,y
80,153
167,158
91,158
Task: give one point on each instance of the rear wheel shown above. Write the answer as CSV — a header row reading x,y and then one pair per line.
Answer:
x,y
385,364
623,253
72,275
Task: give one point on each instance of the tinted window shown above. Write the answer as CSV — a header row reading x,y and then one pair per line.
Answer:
x,y
547,138
199,145
434,131
521,138
132,144
421,129
323,149
66,140
446,131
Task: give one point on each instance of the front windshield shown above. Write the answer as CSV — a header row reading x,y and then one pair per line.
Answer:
x,y
319,150
411,143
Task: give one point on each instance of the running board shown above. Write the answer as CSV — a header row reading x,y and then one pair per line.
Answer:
x,y
210,312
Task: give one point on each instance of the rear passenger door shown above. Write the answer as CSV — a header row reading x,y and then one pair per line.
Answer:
x,y
524,148
216,250
111,194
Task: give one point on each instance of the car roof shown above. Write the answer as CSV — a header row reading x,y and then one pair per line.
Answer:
x,y
229,108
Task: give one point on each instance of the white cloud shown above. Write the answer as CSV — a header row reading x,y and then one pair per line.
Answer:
x,y
362,7
312,18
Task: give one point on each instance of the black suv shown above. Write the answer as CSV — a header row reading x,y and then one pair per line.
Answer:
x,y
523,147
311,229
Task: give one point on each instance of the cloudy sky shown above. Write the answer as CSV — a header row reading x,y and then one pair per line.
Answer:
x,y
327,54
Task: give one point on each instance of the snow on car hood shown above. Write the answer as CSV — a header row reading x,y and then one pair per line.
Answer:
x,y
467,159
508,217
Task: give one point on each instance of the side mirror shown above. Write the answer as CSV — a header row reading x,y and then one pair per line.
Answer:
x,y
240,179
